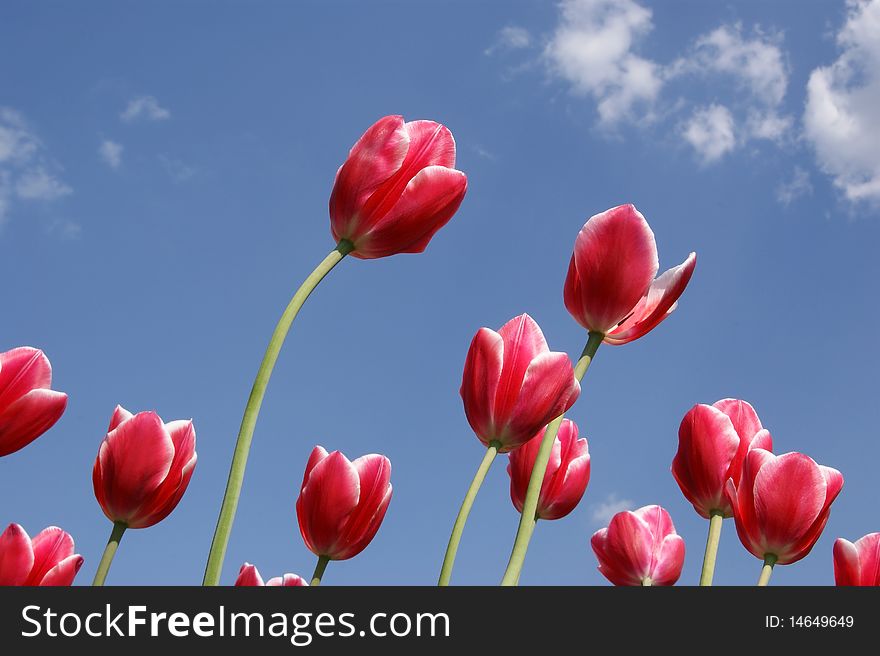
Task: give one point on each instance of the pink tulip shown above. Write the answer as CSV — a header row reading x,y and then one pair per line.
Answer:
x,y
610,288
640,547
712,444
47,560
342,503
859,563
566,477
397,188
143,467
28,408
782,503
513,384
249,575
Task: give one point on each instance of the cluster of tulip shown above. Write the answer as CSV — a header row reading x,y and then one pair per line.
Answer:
x,y
395,190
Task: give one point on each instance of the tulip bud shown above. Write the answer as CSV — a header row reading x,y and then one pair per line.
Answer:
x,y
610,287
397,188
513,385
28,407
143,467
342,503
565,479
249,575
640,547
859,563
47,560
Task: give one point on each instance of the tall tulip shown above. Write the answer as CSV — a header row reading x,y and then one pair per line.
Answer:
x,y
28,405
781,505
513,384
249,575
611,291
712,444
142,470
47,560
341,504
395,190
640,547
857,563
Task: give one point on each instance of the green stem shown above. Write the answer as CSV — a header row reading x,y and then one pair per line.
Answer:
x,y
767,569
716,518
464,511
252,410
109,552
530,504
319,570
647,582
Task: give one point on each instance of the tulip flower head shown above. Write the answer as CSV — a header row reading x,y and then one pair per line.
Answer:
x,y
565,479
342,503
249,575
859,563
143,467
28,407
397,188
513,384
712,444
640,547
782,503
47,560
610,288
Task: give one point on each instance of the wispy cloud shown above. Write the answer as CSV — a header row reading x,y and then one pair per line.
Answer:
x,y
613,504
798,186
510,37
111,153
64,229
38,184
178,170
709,131
145,108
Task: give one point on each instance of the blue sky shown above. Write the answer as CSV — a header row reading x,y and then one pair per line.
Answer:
x,y
164,176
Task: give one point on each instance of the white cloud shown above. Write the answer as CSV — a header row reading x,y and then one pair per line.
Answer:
x,y
64,229
613,504
841,118
798,186
39,184
111,153
179,171
593,48
510,37
17,143
144,108
710,131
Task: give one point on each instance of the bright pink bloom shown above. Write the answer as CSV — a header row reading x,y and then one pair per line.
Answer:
x,y
397,188
513,384
342,503
610,287
712,443
859,563
566,478
249,575
28,408
640,546
143,467
782,503
48,559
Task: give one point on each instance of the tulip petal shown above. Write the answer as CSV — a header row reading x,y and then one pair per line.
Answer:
x,y
846,563
316,456
16,556
248,576
742,415
374,473
523,342
631,542
21,370
479,384
868,548
329,496
669,561
569,488
63,573
287,581
51,546
31,415
120,414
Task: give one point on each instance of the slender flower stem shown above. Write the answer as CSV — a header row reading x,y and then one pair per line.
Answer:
x,y
767,569
319,570
716,518
109,552
530,504
464,511
252,410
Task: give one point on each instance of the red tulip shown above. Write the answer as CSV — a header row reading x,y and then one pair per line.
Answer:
x,y
143,467
566,478
397,188
859,563
513,384
47,560
782,503
249,575
712,443
640,547
610,287
28,408
342,503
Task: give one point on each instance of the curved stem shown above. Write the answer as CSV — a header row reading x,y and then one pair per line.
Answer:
x,y
464,511
109,552
530,504
252,411
767,569
716,518
319,570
